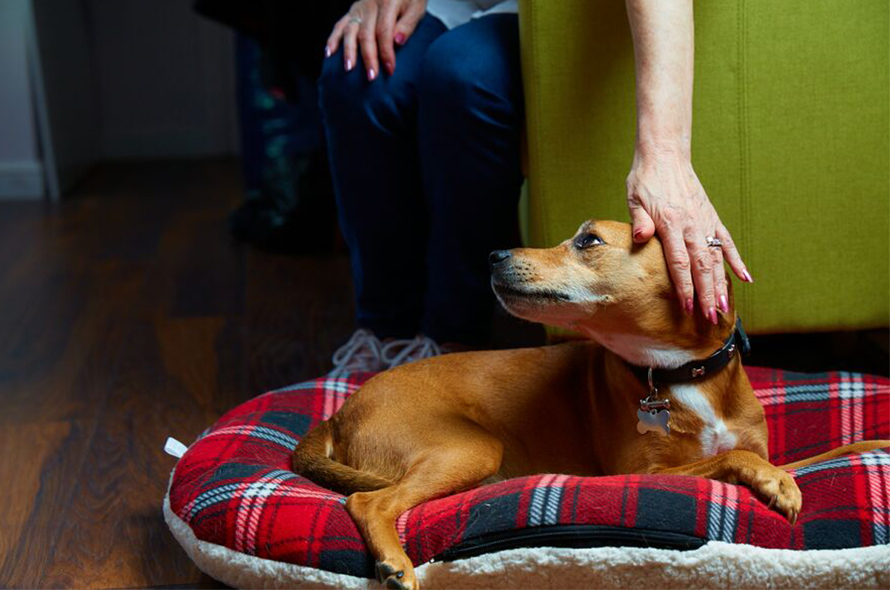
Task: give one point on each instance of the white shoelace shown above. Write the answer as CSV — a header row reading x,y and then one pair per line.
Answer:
x,y
361,353
399,352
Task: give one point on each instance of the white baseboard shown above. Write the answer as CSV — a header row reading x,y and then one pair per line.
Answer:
x,y
21,180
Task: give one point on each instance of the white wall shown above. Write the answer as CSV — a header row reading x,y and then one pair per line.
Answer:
x,y
64,83
84,80
166,82
21,173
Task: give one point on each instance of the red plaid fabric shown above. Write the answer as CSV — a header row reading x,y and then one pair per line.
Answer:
x,y
234,487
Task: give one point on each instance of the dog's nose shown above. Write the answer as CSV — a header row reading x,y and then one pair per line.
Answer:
x,y
497,257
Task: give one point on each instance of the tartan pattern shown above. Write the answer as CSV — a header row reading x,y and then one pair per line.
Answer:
x,y
234,486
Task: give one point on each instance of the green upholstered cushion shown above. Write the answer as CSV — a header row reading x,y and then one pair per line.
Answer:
x,y
790,140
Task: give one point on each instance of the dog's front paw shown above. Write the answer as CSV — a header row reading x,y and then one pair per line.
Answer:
x,y
779,489
395,577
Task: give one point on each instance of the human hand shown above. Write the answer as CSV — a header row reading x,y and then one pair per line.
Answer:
x,y
375,25
664,195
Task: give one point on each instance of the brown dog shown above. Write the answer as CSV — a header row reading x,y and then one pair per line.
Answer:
x,y
457,421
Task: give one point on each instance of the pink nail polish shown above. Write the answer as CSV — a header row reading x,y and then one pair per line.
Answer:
x,y
724,304
400,38
712,314
348,65
371,74
390,68
748,276
689,308
327,51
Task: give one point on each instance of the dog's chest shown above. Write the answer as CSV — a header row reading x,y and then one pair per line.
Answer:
x,y
715,437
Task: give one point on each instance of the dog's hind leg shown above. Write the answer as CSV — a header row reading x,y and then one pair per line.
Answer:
x,y
441,467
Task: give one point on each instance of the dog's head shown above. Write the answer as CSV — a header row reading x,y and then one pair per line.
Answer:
x,y
599,283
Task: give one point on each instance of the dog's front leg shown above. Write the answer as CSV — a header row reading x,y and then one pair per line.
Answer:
x,y
745,467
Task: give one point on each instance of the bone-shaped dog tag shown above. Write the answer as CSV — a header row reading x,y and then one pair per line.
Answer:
x,y
653,421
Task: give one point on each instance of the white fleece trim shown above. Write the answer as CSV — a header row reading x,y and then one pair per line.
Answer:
x,y
715,565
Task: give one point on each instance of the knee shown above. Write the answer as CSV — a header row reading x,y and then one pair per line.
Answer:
x,y
337,87
350,97
449,74
471,77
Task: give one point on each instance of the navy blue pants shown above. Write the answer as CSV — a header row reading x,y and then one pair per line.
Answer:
x,y
427,174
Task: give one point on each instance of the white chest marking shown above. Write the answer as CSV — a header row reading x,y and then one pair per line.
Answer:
x,y
715,437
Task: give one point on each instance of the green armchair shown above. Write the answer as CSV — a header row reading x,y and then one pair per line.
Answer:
x,y
791,140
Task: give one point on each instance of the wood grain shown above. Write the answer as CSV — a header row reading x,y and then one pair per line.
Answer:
x,y
127,314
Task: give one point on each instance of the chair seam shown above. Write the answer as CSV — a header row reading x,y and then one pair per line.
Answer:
x,y
744,158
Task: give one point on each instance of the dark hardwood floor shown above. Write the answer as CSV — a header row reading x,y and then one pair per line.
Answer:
x,y
127,314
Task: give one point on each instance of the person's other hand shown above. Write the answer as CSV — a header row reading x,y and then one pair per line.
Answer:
x,y
664,195
375,26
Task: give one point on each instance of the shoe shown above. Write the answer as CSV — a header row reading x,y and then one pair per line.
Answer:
x,y
400,352
293,212
362,353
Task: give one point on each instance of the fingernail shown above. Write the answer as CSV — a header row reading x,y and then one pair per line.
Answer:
x,y
748,276
400,38
389,67
689,308
327,51
348,65
637,235
371,74
724,304
712,315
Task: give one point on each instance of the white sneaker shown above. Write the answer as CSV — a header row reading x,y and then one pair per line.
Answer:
x,y
361,353
400,352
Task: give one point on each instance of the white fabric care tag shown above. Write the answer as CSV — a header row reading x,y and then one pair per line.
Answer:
x,y
174,447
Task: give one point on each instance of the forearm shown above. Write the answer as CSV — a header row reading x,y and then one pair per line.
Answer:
x,y
663,38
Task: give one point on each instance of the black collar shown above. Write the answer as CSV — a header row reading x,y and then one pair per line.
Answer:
x,y
697,369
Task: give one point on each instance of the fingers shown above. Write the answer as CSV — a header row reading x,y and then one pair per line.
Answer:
x,y
732,254
407,22
373,30
350,42
367,39
677,256
386,23
333,42
702,266
643,226
719,279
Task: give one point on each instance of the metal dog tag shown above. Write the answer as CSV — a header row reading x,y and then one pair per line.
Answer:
x,y
653,414
653,421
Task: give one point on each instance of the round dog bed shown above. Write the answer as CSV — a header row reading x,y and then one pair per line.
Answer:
x,y
248,521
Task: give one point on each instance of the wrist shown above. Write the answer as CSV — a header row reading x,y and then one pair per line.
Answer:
x,y
663,126
657,145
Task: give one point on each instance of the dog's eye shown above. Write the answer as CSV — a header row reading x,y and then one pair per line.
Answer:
x,y
588,240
